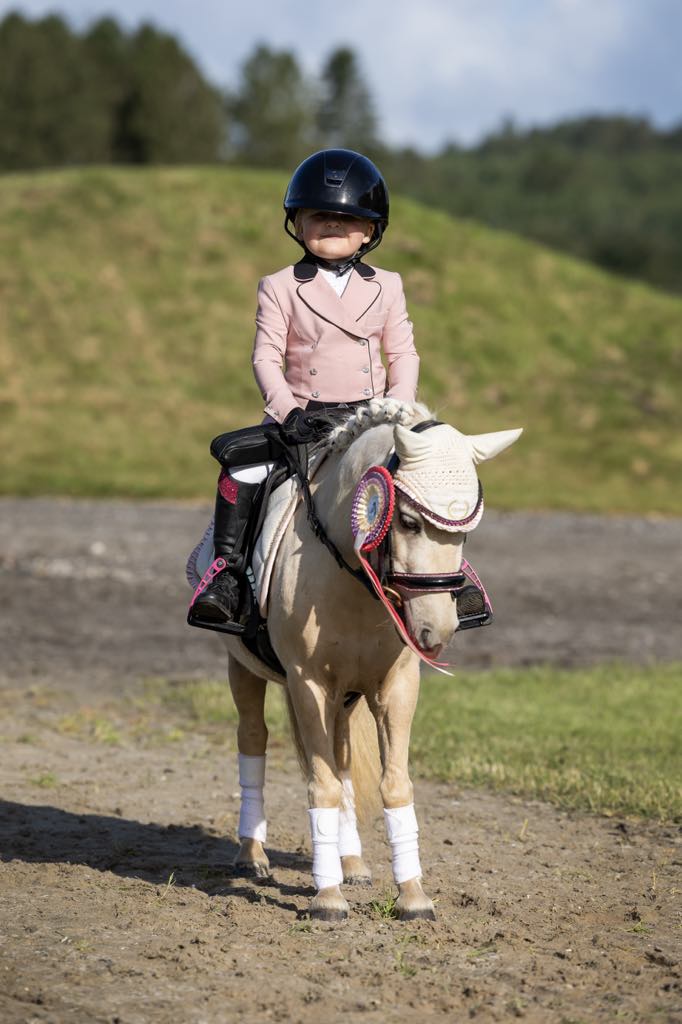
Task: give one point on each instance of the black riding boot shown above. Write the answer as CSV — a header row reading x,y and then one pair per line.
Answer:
x,y
217,606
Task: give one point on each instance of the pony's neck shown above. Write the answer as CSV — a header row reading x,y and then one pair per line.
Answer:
x,y
334,496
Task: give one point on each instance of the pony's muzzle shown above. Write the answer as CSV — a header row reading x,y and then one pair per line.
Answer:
x,y
429,642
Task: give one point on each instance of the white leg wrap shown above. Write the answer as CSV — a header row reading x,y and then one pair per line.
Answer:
x,y
403,835
252,823
349,839
324,829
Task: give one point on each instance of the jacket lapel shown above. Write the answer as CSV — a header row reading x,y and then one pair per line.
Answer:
x,y
344,311
359,296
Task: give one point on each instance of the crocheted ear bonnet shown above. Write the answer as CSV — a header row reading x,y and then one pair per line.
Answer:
x,y
437,472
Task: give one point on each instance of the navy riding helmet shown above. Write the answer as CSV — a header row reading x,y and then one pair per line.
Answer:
x,y
343,181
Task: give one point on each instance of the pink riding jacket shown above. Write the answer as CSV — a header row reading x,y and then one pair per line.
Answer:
x,y
312,344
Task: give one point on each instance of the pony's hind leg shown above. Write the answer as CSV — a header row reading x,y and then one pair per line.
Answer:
x,y
394,709
248,691
355,869
314,717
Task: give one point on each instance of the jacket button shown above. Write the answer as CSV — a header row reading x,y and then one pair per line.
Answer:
x,y
367,391
365,369
316,394
362,341
313,372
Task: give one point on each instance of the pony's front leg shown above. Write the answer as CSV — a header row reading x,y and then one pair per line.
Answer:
x,y
248,691
394,708
315,715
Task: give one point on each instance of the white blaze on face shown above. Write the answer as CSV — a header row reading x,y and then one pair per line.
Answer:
x,y
438,471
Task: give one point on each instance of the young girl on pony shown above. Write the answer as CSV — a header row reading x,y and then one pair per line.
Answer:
x,y
322,326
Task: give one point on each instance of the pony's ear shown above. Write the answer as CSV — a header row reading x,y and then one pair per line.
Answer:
x,y
487,446
409,445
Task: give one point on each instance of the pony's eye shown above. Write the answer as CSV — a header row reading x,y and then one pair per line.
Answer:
x,y
413,525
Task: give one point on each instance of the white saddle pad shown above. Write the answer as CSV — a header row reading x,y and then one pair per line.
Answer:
x,y
281,507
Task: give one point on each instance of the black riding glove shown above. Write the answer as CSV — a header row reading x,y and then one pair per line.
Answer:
x,y
299,427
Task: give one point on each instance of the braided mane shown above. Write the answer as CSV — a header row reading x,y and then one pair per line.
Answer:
x,y
378,411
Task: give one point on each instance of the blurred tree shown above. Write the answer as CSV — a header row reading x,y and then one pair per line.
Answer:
x,y
345,114
614,134
547,168
272,114
103,97
106,54
47,112
169,114
603,188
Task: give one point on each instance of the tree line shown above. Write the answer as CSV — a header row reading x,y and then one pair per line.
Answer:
x,y
110,96
603,188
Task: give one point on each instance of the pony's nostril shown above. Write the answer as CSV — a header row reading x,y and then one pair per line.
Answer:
x,y
425,638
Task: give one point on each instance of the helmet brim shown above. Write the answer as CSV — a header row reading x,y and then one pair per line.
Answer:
x,y
349,209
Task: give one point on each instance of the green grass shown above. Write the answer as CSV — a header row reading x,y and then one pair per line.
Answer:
x,y
46,780
127,300
604,739
385,907
208,702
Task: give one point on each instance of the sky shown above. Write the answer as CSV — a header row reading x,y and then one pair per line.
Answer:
x,y
440,70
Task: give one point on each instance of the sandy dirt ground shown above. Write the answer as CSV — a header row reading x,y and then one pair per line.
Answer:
x,y
117,829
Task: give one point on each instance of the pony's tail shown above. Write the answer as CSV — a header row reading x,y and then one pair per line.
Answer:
x,y
356,747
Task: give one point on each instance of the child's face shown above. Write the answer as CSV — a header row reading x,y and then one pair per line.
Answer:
x,y
332,236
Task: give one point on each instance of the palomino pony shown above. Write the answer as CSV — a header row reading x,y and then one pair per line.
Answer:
x,y
337,641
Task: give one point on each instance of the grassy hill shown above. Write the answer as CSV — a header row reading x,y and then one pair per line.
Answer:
x,y
127,300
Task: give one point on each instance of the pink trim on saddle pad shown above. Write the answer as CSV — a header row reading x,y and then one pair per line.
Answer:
x,y
228,487
214,569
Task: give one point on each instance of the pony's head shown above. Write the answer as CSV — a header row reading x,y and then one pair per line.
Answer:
x,y
438,501
422,483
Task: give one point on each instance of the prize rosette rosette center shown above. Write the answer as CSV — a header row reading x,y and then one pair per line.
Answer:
x,y
372,510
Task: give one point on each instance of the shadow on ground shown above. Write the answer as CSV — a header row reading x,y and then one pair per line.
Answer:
x,y
132,849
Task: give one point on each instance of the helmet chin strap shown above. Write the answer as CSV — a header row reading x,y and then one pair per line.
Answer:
x,y
338,267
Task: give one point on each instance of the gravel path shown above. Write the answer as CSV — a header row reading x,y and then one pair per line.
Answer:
x,y
98,588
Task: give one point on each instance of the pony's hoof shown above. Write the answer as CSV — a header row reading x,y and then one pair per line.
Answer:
x,y
421,914
251,869
333,914
251,860
329,905
413,904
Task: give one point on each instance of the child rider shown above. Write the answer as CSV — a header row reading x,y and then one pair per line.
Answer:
x,y
322,326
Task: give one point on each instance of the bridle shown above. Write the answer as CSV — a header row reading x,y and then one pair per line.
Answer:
x,y
397,583
381,579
